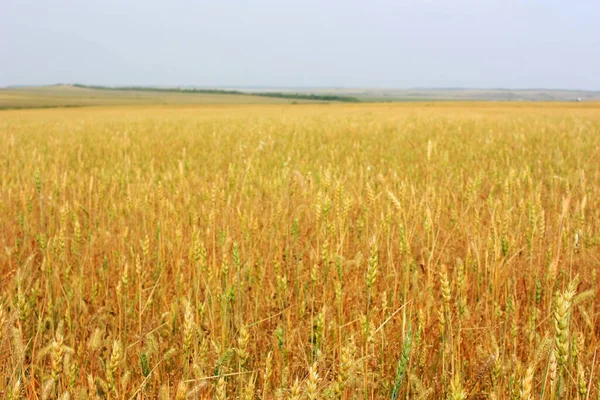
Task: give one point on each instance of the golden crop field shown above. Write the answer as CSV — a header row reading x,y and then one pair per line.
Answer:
x,y
364,251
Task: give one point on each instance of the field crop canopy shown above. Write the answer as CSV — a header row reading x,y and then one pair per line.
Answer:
x,y
339,251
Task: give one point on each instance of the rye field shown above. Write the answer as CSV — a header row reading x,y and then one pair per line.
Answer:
x,y
325,251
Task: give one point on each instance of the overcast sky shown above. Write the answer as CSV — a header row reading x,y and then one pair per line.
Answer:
x,y
366,43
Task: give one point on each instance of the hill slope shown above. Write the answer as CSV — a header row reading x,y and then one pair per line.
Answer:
x,y
72,96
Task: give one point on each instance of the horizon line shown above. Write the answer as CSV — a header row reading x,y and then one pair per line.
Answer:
x,y
303,87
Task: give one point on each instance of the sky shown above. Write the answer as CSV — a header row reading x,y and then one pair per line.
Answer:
x,y
302,43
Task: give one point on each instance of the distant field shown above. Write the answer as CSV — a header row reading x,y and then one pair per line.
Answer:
x,y
80,96
69,96
348,251
456,94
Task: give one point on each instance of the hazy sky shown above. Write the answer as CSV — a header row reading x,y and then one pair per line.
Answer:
x,y
367,43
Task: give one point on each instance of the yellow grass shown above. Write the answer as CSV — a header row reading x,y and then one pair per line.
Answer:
x,y
310,251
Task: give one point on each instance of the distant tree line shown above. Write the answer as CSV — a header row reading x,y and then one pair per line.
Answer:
x,y
297,96
157,89
309,96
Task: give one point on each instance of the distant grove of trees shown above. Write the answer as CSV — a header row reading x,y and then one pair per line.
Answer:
x,y
297,96
309,96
